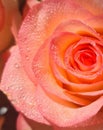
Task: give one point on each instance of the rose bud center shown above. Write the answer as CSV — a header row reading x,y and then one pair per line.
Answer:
x,y
87,57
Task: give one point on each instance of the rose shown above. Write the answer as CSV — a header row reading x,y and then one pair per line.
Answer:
x,y
56,75
7,10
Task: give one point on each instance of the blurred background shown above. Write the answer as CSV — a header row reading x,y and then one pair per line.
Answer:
x,y
8,114
7,118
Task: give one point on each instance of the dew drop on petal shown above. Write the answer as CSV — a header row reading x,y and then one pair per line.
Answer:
x,y
16,65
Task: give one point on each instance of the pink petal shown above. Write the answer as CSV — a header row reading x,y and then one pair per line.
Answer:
x,y
96,23
89,95
67,117
31,3
18,87
94,6
24,123
92,127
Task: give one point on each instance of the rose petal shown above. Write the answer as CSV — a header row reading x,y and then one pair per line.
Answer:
x,y
18,87
98,26
26,124
31,3
22,124
63,116
76,87
90,124
88,94
92,127
80,27
94,6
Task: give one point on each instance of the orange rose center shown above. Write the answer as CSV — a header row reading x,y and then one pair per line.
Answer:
x,y
87,57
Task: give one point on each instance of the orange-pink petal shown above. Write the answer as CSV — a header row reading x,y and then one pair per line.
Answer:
x,y
94,6
24,123
19,88
64,116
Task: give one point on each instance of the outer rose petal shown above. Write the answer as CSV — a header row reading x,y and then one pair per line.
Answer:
x,y
98,26
67,117
34,32
93,127
10,7
94,6
19,89
26,124
31,3
22,124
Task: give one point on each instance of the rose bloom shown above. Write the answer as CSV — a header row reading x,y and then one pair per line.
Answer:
x,y
54,74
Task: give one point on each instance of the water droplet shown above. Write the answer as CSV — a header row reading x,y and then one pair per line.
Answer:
x,y
16,65
3,110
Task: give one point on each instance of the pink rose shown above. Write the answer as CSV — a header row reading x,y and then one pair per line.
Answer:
x,y
55,72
